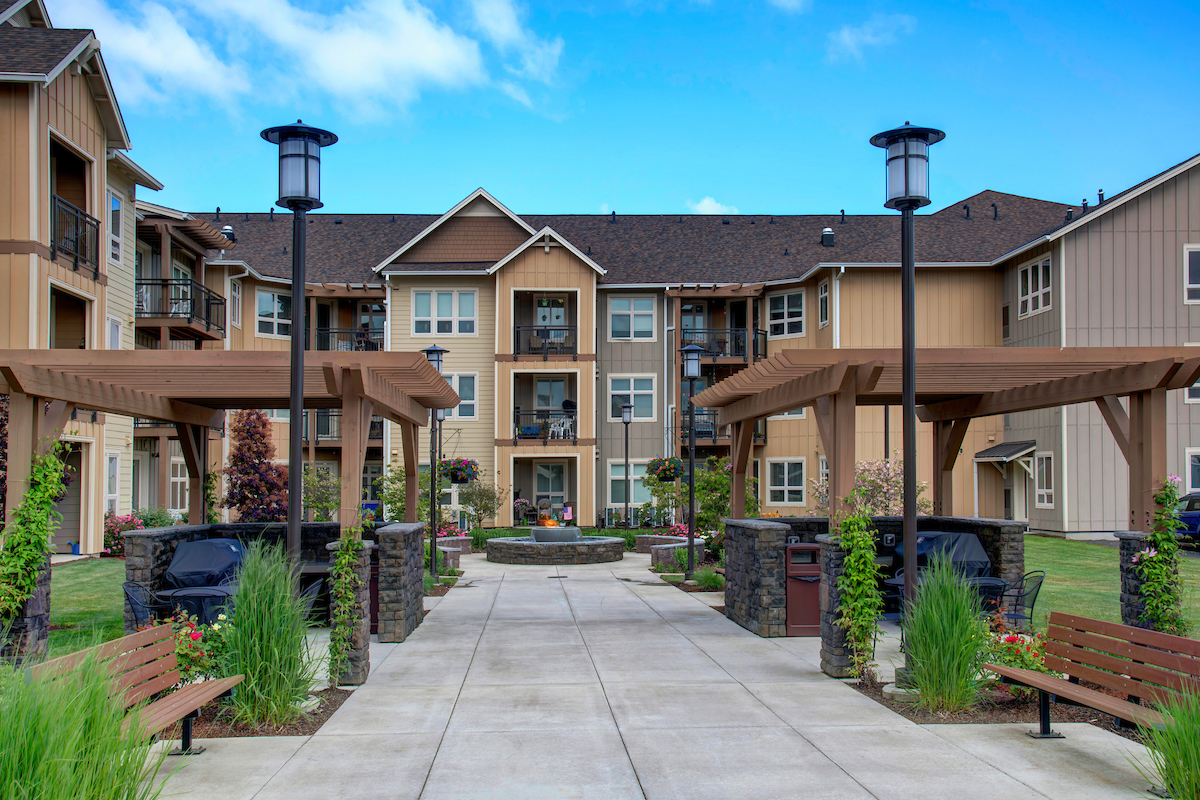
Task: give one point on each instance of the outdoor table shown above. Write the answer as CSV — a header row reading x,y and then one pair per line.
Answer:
x,y
990,589
203,602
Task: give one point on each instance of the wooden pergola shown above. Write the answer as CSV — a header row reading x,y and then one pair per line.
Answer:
x,y
954,386
193,389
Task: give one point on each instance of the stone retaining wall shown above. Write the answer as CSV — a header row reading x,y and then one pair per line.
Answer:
x,y
463,543
358,657
647,540
665,553
28,635
1133,605
447,556
401,579
592,550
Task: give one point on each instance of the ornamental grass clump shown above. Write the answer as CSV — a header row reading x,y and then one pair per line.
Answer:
x,y
1174,750
66,737
268,641
945,638
709,579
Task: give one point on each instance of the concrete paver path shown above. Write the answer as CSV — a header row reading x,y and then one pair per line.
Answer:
x,y
602,682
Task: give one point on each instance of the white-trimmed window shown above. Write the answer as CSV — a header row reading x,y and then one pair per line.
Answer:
x,y
278,414
1033,288
235,303
785,482
112,480
795,413
113,333
639,494
1191,273
179,486
274,313
114,226
823,467
785,313
635,389
1193,393
465,386
448,313
1193,469
1043,477
823,303
631,318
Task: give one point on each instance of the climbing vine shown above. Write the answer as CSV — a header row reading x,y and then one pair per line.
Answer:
x,y
212,500
1158,565
346,583
26,541
861,602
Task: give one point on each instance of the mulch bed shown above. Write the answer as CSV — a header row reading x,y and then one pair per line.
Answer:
x,y
998,705
215,722
438,591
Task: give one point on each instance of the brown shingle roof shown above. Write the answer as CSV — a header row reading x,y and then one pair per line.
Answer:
x,y
662,248
36,51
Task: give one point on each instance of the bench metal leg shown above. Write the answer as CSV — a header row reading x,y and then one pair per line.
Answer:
x,y
185,743
1044,731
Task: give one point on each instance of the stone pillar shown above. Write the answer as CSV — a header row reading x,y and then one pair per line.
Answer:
x,y
755,575
29,634
836,657
401,579
358,657
1133,605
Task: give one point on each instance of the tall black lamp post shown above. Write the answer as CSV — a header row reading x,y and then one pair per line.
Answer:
x,y
435,355
907,190
627,417
300,190
691,371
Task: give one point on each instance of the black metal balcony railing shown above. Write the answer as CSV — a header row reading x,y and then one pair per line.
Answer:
x,y
725,342
329,426
180,298
346,339
545,340
545,424
75,233
707,429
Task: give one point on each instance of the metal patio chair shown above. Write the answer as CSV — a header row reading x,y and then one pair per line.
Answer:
x,y
1025,593
146,607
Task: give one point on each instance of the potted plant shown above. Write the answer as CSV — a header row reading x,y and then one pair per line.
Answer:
x,y
460,470
666,469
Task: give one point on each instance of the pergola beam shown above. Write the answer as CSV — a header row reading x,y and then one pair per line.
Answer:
x,y
794,393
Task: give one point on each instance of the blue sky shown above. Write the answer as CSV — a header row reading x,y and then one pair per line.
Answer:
x,y
763,106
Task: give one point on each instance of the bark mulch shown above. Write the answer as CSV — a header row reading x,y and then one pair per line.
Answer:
x,y
215,720
438,591
999,705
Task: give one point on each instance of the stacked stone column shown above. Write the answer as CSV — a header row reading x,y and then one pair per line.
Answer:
x,y
358,658
1133,603
401,579
836,656
28,636
756,575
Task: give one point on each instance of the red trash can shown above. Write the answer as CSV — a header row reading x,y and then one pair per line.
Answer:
x,y
803,572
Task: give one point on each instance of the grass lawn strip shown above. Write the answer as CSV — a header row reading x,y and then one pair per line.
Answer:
x,y
86,603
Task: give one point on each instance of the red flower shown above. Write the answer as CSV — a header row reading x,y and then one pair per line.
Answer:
x,y
1010,639
195,635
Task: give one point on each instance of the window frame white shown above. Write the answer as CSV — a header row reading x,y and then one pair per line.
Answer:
x,y
1188,286
112,481
634,463
235,304
796,413
1044,294
803,293
823,303
456,318
1188,454
453,379
259,292
109,322
632,313
631,377
823,469
178,484
1043,497
785,488
114,237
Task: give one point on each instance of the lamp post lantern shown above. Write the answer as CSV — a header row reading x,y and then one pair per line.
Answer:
x,y
691,371
907,162
299,190
435,356
627,417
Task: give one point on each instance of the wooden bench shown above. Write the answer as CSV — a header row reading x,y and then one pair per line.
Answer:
x,y
143,665
1145,665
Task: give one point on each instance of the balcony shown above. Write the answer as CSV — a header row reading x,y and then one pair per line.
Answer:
x,y
709,432
183,305
154,428
75,234
725,342
346,339
329,427
545,425
545,341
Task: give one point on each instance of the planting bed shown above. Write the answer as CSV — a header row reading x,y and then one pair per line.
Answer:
x,y
215,724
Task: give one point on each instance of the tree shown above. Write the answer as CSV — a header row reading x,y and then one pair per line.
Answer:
x,y
257,485
480,501
391,490
878,491
322,492
713,483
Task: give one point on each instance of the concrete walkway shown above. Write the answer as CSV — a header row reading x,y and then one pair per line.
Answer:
x,y
602,682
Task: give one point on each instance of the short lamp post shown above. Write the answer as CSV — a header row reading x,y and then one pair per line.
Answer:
x,y
907,190
627,417
691,371
435,355
299,190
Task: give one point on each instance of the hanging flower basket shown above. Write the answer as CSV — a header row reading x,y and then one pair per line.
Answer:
x,y
460,470
665,469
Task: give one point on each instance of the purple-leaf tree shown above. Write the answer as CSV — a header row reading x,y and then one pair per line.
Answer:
x,y
257,485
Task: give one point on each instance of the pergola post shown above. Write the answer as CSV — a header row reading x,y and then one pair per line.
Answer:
x,y
412,486
1148,454
743,438
193,440
23,413
948,436
836,423
356,428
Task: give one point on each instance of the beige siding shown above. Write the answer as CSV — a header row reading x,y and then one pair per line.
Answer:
x,y
15,215
463,238
17,272
537,269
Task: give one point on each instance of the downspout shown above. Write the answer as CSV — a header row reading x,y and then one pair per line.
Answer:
x,y
837,307
668,389
1062,413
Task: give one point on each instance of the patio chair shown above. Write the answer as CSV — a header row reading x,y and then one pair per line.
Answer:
x,y
310,594
146,607
1025,593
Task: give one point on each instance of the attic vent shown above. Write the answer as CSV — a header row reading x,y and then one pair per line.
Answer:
x,y
724,222
1070,214
1101,198
247,217
995,211
337,222
827,237
967,209
227,232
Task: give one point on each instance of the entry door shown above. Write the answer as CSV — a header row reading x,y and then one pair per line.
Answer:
x,y
551,484
181,290
71,506
1020,493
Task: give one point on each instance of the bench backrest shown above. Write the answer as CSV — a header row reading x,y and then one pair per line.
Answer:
x,y
141,665
1144,664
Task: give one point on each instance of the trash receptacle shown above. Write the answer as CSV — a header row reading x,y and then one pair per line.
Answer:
x,y
803,590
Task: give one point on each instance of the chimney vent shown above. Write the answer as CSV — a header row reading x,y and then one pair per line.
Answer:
x,y
843,216
272,214
1084,211
827,237
995,211
1101,198
219,219
1070,214
227,232
967,209
613,222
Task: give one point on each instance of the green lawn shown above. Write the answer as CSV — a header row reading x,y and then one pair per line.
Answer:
x,y
1083,578
87,597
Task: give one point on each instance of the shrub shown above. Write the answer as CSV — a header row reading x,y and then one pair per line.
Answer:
x,y
67,738
480,501
200,650
155,517
713,479
1018,650
391,489
861,601
1174,750
114,526
945,639
709,579
268,641
257,485
322,492
878,491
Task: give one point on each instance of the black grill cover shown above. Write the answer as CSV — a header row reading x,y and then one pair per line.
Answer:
x,y
204,563
966,552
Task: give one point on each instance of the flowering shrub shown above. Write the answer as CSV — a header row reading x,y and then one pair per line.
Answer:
x,y
114,526
460,468
665,469
679,530
199,649
878,491
521,506
1158,564
448,529
1019,650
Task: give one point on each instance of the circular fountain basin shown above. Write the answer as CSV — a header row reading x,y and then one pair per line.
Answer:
x,y
565,546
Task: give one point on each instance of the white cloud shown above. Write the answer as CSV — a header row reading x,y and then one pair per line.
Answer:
x,y
793,6
515,92
848,41
150,54
501,25
710,206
